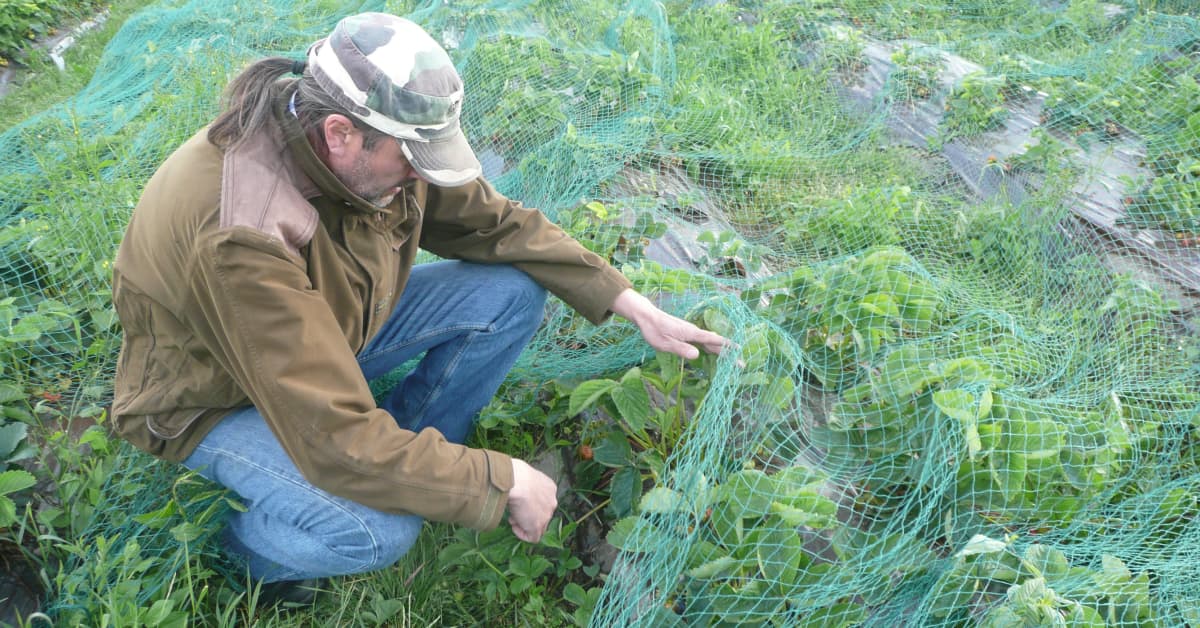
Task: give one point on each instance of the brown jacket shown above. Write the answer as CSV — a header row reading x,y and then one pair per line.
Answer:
x,y
255,277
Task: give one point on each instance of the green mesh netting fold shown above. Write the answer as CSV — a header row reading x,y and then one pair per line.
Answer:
x,y
954,243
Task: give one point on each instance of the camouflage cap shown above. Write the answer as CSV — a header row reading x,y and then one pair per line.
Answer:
x,y
389,73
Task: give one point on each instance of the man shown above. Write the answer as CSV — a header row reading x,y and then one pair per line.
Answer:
x,y
268,272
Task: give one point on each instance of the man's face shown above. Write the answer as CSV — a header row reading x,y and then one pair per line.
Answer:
x,y
376,174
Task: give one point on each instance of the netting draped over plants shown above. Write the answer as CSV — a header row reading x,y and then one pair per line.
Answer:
x,y
954,243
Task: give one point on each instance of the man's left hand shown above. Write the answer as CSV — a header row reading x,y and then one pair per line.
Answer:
x,y
663,331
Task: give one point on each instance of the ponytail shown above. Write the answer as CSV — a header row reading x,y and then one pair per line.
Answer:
x,y
248,100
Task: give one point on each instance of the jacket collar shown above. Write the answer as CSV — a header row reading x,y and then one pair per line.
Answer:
x,y
325,183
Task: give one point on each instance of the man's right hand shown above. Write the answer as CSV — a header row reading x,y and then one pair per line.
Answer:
x,y
531,502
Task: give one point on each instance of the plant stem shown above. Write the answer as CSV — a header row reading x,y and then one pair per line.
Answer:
x,y
594,510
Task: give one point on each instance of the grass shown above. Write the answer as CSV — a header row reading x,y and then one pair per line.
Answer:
x,y
752,116
41,83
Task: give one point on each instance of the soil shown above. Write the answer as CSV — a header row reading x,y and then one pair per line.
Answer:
x,y
20,588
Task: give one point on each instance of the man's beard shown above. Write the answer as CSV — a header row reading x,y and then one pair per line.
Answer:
x,y
358,180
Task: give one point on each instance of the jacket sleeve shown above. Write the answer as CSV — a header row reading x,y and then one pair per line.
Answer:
x,y
275,334
474,222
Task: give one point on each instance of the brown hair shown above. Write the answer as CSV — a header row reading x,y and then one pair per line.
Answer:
x,y
250,96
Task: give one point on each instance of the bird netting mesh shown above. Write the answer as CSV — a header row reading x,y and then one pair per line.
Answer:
x,y
953,241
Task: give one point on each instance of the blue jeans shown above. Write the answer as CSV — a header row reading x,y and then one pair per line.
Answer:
x,y
471,321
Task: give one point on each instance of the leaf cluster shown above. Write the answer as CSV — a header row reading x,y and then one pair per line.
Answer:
x,y
23,21
995,586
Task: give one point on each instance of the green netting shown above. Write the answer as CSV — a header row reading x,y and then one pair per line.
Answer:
x,y
953,241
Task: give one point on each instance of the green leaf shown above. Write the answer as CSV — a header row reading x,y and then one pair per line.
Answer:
x,y
727,524
724,565
1052,563
574,594
797,477
843,614
625,490
613,450
985,405
813,511
781,556
752,490
1036,437
903,374
963,371
8,512
156,519
15,480
956,404
1009,472
880,304
779,393
1113,571
980,544
586,394
1079,472
620,534
1030,594
661,499
11,436
963,406
10,393
159,612
519,584
1082,616
187,532
950,593
633,403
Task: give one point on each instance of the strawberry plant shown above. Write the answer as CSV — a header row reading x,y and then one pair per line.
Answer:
x,y
547,85
14,447
843,314
602,231
975,105
643,431
841,226
22,21
842,47
752,551
1171,199
991,585
528,578
916,72
746,556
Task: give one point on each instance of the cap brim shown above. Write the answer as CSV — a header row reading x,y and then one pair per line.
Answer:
x,y
448,162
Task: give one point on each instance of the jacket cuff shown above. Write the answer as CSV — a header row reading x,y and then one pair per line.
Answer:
x,y
594,298
500,482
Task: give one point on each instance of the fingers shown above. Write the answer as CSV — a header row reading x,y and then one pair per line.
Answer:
x,y
522,534
682,349
531,502
672,334
712,343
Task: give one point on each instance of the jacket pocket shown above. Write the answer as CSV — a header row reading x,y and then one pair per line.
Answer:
x,y
171,425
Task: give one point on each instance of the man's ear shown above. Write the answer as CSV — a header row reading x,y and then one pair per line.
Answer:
x,y
340,134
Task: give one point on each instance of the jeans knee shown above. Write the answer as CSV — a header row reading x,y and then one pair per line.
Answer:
x,y
364,540
535,296
390,542
528,298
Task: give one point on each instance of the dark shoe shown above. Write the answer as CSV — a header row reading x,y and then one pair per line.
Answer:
x,y
291,592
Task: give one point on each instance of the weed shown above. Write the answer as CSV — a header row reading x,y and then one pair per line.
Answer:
x,y
975,105
916,72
